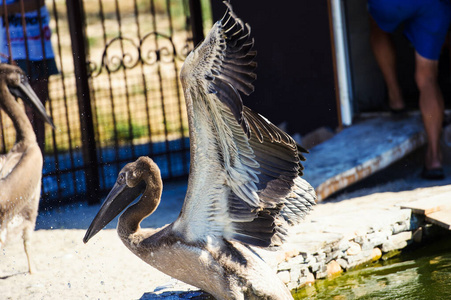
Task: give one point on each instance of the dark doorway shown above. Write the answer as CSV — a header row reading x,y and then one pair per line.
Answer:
x,y
295,75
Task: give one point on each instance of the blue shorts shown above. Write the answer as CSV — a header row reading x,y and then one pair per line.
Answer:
x,y
426,22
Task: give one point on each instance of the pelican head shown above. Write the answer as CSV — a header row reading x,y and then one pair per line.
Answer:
x,y
129,185
18,86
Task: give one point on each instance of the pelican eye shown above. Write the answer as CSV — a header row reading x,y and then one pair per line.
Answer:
x,y
121,178
22,78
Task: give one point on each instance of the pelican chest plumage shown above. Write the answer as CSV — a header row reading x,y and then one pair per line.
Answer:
x,y
21,167
244,186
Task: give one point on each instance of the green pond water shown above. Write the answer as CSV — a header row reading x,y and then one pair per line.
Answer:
x,y
423,273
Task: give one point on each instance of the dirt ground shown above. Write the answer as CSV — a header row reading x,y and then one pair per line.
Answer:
x,y
68,269
104,268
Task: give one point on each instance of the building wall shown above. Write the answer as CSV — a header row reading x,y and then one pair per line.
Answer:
x,y
295,77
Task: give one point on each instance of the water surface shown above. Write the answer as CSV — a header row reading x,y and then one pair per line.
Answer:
x,y
424,273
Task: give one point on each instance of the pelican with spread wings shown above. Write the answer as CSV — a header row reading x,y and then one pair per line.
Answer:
x,y
244,187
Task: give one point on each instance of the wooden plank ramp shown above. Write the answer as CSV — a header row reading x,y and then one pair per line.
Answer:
x,y
441,218
437,209
361,150
430,204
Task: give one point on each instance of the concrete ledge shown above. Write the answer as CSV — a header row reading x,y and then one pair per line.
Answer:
x,y
343,241
340,236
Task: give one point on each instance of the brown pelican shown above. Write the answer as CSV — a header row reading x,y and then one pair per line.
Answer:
x,y
243,189
21,167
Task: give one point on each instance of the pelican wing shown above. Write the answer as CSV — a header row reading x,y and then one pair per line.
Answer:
x,y
244,180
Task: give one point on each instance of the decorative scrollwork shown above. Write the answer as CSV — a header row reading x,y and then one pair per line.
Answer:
x,y
156,47
116,55
123,53
185,50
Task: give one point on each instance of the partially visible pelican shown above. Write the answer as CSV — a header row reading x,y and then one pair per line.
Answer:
x,y
21,167
243,189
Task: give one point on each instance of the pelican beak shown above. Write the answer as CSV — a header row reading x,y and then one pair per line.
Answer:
x,y
24,91
117,200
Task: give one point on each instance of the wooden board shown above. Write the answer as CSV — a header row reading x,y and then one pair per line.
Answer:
x,y
429,205
361,150
441,218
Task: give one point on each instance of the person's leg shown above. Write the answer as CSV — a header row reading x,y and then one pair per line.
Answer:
x,y
431,106
385,54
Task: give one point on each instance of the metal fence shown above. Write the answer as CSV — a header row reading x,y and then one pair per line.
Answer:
x,y
117,94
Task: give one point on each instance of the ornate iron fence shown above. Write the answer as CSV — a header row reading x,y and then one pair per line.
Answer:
x,y
117,95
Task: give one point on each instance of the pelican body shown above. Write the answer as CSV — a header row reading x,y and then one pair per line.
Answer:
x,y
244,186
21,167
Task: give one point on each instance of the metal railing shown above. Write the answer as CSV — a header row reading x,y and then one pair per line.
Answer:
x,y
117,94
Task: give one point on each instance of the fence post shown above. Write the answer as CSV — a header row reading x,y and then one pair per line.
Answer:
x,y
76,20
195,10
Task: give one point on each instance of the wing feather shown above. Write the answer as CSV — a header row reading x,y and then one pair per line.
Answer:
x,y
244,180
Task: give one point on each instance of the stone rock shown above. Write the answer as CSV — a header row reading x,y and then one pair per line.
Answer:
x,y
322,272
397,241
401,226
406,214
321,275
309,258
300,259
343,263
284,276
296,273
360,232
333,255
377,254
390,246
379,237
368,245
291,251
354,248
417,235
321,256
343,245
284,266
327,249
315,267
333,268
294,285
359,259
402,236
309,278
360,239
